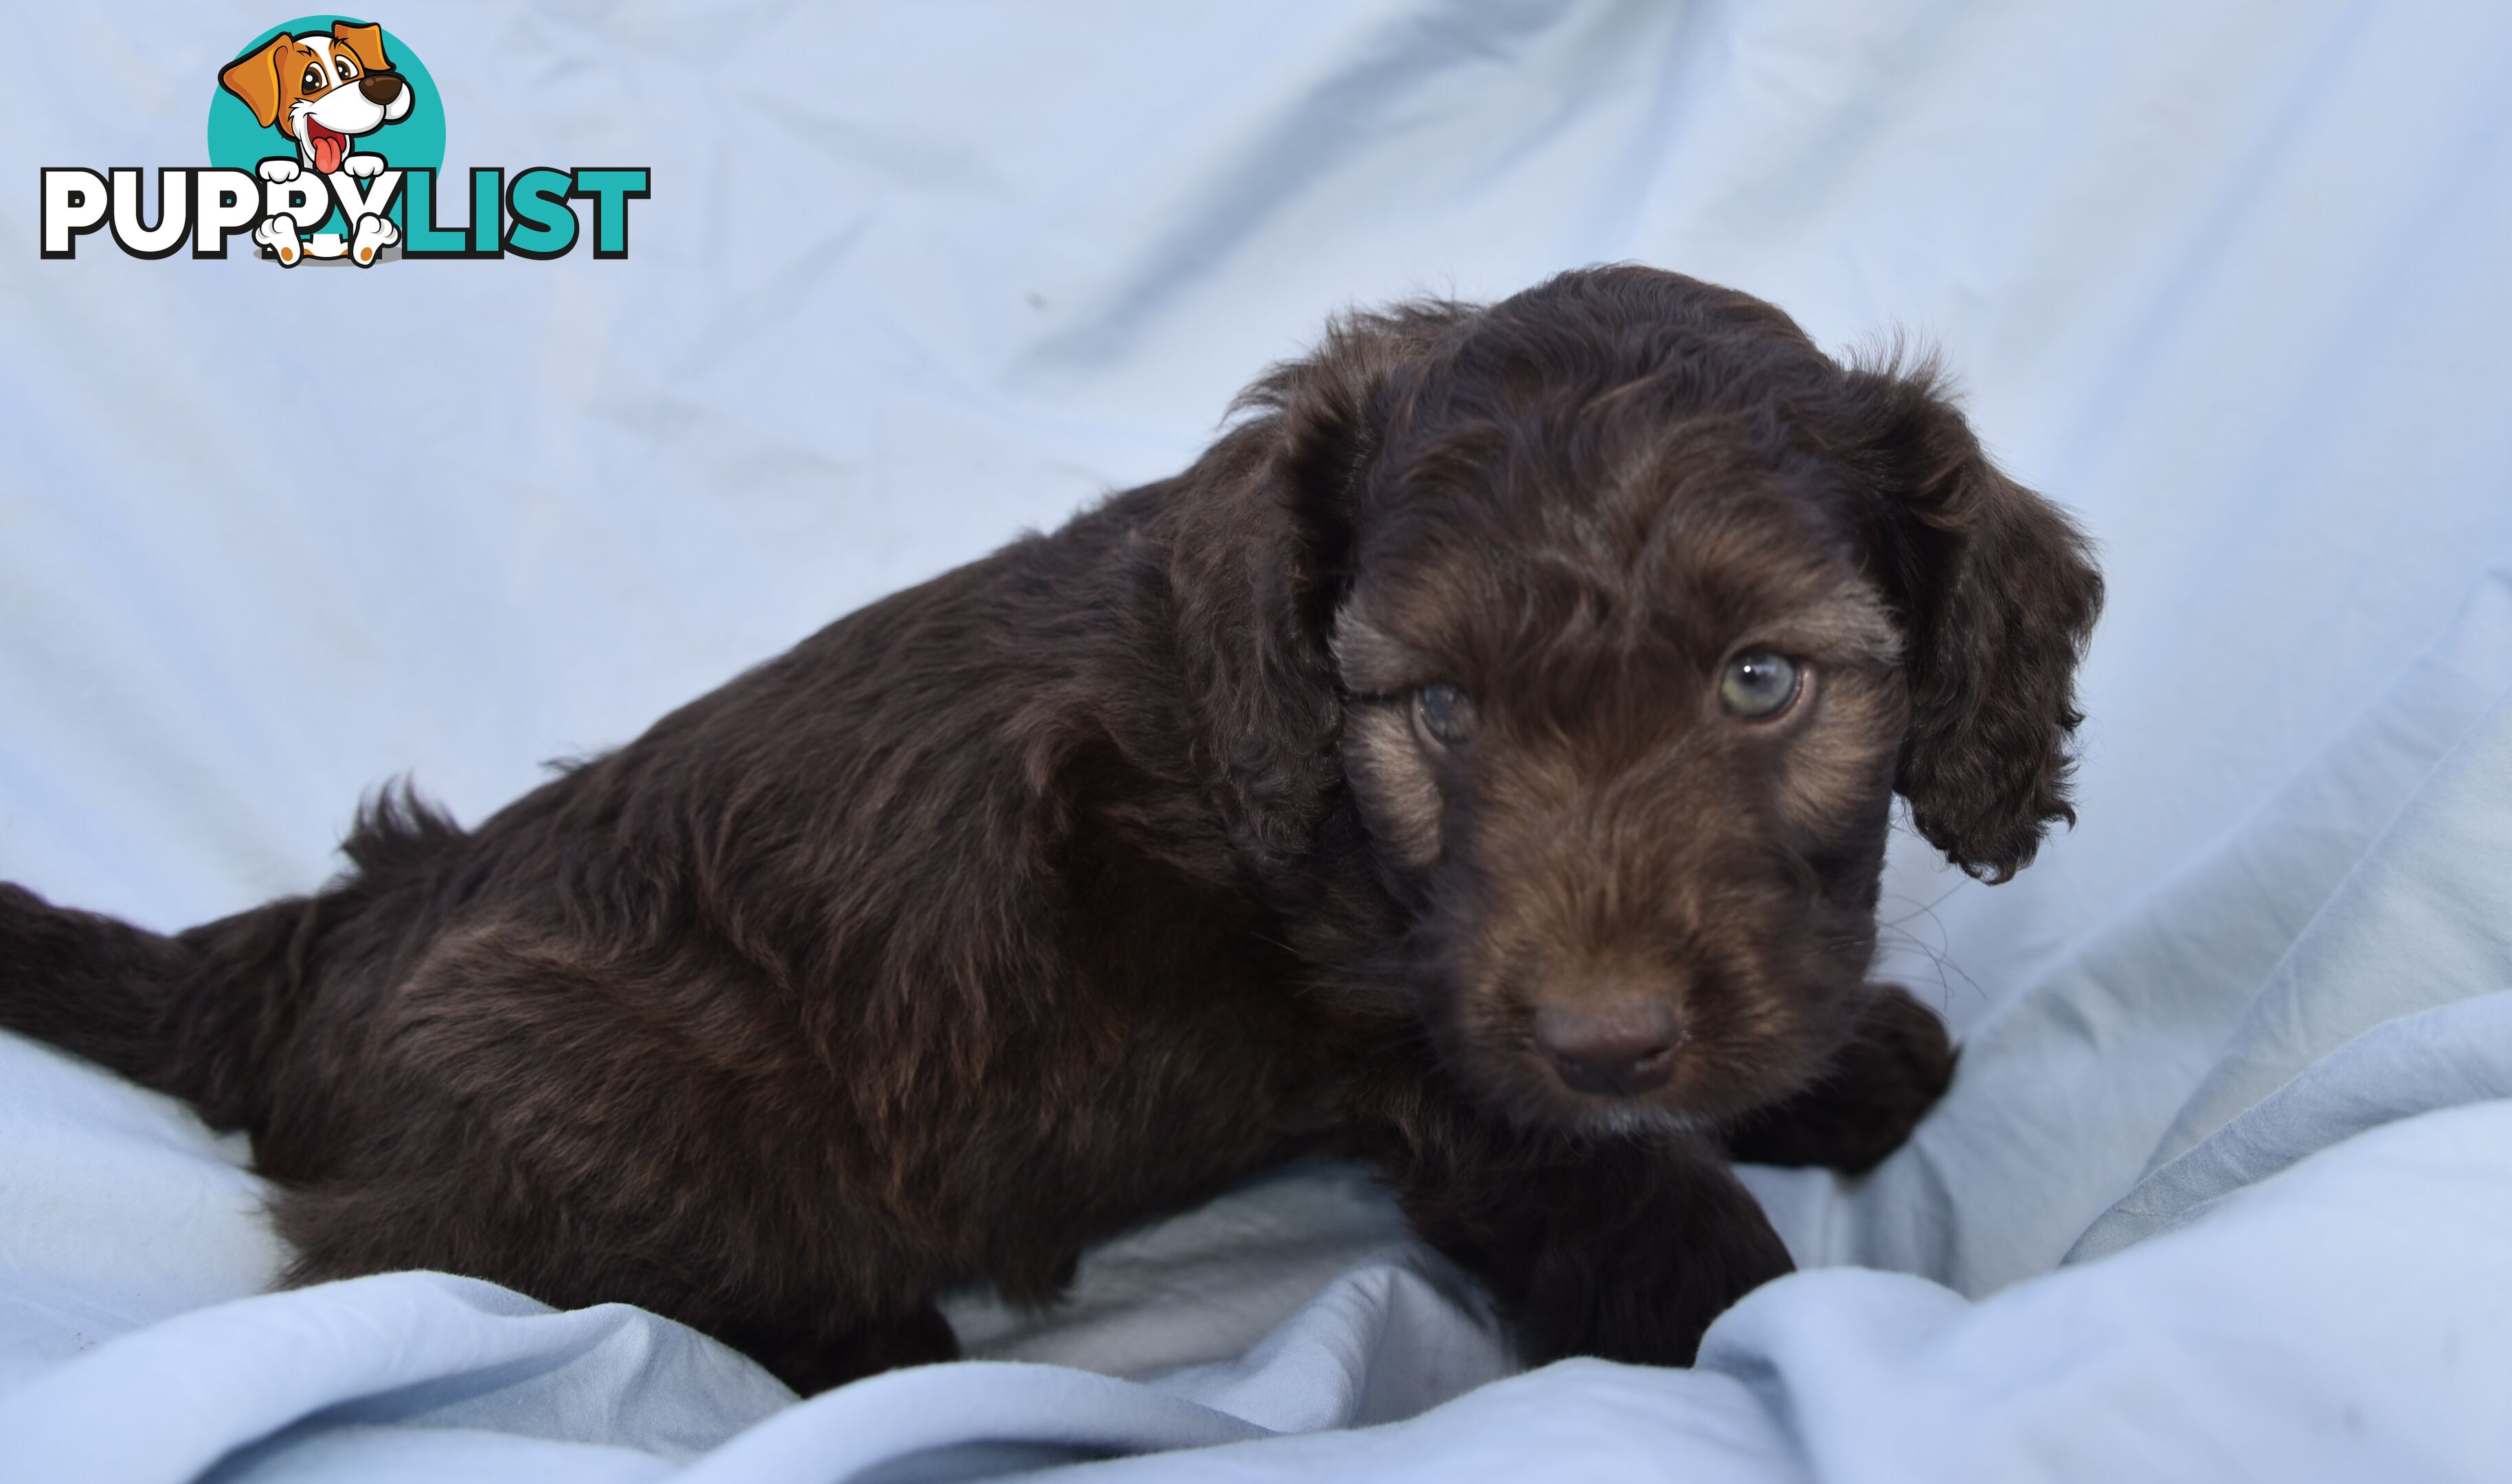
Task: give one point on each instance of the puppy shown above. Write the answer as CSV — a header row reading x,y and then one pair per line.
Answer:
x,y
323,91
1478,763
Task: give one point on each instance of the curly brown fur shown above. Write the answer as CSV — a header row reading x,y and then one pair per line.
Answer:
x,y
1078,883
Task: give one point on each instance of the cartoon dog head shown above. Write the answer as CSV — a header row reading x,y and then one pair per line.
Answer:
x,y
321,91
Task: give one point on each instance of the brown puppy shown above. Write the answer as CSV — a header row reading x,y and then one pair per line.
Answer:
x,y
1478,763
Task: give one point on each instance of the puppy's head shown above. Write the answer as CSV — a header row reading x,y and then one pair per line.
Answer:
x,y
1637,609
319,90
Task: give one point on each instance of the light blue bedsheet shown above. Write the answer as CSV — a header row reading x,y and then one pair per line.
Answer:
x,y
2224,1188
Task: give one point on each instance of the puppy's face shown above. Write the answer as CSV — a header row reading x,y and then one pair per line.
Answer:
x,y
1622,722
1617,613
322,90
1638,610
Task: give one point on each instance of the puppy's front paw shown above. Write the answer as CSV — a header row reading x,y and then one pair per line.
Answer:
x,y
278,233
1897,1065
812,1363
278,169
372,235
1636,1266
363,167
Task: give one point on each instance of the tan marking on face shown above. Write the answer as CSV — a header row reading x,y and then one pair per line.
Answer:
x,y
1371,660
1847,625
1400,797
1844,729
1847,746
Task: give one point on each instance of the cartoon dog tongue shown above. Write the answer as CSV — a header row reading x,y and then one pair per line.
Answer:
x,y
330,144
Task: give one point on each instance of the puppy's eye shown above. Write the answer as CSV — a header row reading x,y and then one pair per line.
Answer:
x,y
1446,713
345,68
1760,687
314,78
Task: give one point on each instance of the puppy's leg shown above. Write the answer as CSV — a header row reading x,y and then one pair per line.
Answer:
x,y
531,1115
503,1230
1622,1248
1897,1064
812,1363
374,234
278,233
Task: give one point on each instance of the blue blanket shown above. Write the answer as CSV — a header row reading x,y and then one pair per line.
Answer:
x,y
2223,1189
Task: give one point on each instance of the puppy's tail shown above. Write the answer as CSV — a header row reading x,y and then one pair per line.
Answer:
x,y
204,1014
88,984
193,1014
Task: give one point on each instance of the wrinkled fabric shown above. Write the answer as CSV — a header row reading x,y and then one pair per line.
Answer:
x,y
2223,1189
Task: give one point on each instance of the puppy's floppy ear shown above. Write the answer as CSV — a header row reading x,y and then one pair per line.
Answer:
x,y
1259,559
1999,593
366,43
254,78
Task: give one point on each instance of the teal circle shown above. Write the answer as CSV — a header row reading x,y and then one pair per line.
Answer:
x,y
417,139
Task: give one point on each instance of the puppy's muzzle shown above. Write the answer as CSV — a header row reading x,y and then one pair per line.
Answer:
x,y
381,87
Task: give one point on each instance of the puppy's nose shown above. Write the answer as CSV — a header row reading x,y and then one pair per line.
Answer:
x,y
380,87
1620,1049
